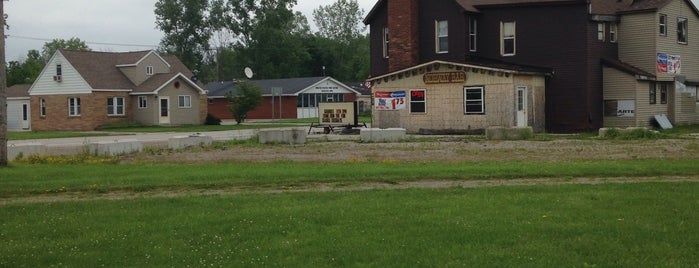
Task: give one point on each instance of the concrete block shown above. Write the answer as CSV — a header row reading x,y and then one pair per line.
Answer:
x,y
382,135
509,133
179,142
284,136
115,147
27,149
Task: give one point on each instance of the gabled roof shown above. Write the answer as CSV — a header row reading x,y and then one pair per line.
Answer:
x,y
629,69
639,6
131,62
18,91
289,86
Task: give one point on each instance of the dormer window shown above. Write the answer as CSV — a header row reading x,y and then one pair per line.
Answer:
x,y
149,70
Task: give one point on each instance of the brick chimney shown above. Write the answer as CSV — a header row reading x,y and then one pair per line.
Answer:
x,y
404,49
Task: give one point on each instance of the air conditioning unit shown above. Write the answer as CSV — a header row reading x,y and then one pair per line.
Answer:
x,y
57,78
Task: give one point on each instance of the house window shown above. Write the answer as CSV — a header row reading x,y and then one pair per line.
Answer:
x,y
308,100
149,70
59,70
42,106
115,106
613,32
663,93
472,34
385,43
682,29
507,44
651,93
473,100
442,36
662,24
73,106
417,101
600,31
142,102
184,101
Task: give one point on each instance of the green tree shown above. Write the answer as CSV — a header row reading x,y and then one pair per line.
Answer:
x,y
27,71
341,21
72,44
248,97
186,27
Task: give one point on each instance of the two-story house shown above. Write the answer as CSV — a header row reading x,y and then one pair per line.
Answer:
x,y
574,39
83,90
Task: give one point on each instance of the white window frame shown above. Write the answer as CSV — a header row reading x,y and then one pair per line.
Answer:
x,y
440,37
662,25
184,101
149,70
504,38
73,106
613,31
472,34
682,31
424,101
601,33
42,107
113,109
142,102
386,43
471,102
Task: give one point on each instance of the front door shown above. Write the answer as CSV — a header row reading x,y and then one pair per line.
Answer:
x,y
521,106
25,115
164,110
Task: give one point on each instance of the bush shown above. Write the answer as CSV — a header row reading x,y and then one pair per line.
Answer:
x,y
212,120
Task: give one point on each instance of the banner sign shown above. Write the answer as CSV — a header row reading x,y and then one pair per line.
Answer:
x,y
389,101
669,64
626,108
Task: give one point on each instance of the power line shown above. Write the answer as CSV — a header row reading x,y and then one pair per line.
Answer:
x,y
86,42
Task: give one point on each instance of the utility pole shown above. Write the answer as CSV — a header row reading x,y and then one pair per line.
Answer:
x,y
3,89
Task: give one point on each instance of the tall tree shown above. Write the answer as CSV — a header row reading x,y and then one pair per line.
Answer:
x,y
341,21
25,72
186,27
50,47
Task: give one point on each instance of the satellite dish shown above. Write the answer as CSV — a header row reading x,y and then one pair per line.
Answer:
x,y
248,72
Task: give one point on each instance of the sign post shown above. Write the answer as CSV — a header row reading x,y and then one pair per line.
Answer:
x,y
277,91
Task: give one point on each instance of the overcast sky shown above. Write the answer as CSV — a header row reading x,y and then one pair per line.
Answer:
x,y
101,23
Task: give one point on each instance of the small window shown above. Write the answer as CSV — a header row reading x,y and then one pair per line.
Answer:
x,y
651,93
682,29
115,106
417,101
59,70
42,104
472,34
600,31
385,42
442,37
663,93
142,102
508,44
613,33
474,102
149,70
73,106
184,101
662,24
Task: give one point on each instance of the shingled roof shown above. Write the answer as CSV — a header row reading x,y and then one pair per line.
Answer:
x,y
100,71
289,86
18,91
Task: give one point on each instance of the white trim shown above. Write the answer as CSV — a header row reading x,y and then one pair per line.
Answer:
x,y
143,58
184,105
201,91
17,98
50,65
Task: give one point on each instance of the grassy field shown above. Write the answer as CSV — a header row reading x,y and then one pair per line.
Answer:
x,y
620,225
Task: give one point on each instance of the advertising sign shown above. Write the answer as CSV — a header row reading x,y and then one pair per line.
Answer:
x,y
669,64
626,108
389,101
340,113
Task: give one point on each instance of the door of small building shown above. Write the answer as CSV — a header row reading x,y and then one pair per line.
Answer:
x,y
521,102
164,110
25,116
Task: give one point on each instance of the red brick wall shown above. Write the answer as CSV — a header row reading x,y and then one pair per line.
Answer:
x,y
404,49
219,108
93,112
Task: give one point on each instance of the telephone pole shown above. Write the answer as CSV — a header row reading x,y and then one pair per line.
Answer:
x,y
3,89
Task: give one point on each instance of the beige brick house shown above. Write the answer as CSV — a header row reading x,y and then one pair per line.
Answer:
x,y
83,90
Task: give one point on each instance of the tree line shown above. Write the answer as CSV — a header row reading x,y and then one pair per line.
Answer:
x,y
217,39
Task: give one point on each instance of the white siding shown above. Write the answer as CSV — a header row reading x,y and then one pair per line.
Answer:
x,y
71,81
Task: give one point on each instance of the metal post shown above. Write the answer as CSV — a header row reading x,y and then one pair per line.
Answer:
x,y
3,89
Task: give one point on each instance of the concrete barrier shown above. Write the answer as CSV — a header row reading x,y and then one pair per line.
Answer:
x,y
15,150
509,133
284,136
115,147
180,142
382,135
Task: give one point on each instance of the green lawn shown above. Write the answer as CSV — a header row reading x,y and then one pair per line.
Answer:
x,y
613,225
